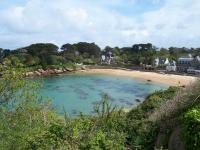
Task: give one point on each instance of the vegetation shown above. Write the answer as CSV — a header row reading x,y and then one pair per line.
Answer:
x,y
29,122
47,54
191,128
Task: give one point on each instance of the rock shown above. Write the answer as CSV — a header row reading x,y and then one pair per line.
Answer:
x,y
138,100
41,70
54,71
69,69
37,73
64,70
28,74
148,80
57,71
83,68
45,73
51,71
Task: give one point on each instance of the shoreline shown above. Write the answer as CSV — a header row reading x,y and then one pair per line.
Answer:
x,y
168,79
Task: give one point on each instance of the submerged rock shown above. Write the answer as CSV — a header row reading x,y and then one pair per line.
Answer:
x,y
138,100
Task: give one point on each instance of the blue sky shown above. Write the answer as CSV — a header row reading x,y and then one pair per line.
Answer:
x,y
164,23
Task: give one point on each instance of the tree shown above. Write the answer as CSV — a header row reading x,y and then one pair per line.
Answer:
x,y
80,51
43,51
90,48
1,55
68,47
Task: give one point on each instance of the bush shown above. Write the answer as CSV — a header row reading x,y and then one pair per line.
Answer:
x,y
191,128
142,133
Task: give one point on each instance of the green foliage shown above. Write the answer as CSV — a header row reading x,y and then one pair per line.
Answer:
x,y
101,140
28,122
80,133
152,102
143,133
191,128
20,110
45,54
82,52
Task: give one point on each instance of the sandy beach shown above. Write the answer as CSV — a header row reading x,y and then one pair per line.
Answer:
x,y
168,79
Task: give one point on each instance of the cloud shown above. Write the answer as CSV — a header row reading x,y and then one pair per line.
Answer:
x,y
175,23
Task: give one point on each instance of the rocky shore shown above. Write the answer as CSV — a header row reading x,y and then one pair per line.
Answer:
x,y
48,72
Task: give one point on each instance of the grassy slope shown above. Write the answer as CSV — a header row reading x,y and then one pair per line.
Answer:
x,y
167,119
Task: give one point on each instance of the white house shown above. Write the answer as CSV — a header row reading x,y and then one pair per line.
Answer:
x,y
107,58
161,61
171,67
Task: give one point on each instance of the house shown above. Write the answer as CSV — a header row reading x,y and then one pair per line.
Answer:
x,y
184,63
107,58
171,67
161,61
188,64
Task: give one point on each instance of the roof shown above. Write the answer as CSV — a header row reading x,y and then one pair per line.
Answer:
x,y
185,59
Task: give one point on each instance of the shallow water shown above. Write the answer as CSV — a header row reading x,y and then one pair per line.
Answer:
x,y
78,93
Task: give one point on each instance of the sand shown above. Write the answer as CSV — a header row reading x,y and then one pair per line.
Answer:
x,y
168,79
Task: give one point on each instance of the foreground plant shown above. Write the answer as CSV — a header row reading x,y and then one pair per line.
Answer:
x,y
28,122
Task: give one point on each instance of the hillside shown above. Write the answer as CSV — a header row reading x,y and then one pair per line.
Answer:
x,y
48,55
167,119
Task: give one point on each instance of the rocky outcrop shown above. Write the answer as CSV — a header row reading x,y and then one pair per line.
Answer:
x,y
30,74
69,69
41,72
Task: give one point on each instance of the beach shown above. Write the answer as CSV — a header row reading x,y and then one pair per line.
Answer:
x,y
168,79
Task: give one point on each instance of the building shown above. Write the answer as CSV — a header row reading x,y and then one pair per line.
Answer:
x,y
107,58
171,67
161,61
184,63
188,64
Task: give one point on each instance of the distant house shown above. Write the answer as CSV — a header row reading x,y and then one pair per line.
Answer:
x,y
184,63
171,67
161,61
107,58
188,64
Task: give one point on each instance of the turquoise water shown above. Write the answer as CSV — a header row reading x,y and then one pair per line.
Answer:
x,y
78,93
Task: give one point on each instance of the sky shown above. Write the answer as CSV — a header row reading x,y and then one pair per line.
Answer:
x,y
163,23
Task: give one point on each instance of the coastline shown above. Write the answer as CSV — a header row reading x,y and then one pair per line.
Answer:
x,y
168,79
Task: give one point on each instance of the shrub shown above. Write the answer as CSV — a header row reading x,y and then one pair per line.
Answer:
x,y
142,133
191,128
